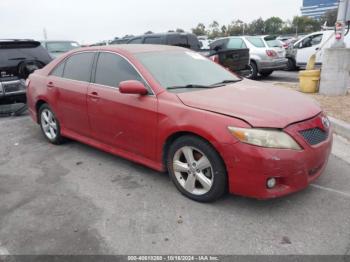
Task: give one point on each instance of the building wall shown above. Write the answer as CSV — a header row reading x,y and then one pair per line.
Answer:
x,y
317,8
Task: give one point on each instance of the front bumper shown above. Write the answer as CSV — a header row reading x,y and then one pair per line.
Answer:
x,y
273,64
249,167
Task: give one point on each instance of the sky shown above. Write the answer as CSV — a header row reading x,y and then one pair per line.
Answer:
x,y
89,21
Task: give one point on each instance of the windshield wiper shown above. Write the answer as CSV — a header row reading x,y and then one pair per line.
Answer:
x,y
226,82
189,86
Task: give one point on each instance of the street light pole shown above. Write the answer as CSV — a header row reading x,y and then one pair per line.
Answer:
x,y
342,20
335,78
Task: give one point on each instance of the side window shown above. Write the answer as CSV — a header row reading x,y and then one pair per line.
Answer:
x,y
112,69
316,40
256,41
178,40
78,67
236,43
58,70
153,40
135,41
306,42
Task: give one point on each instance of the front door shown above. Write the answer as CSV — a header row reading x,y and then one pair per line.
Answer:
x,y
124,121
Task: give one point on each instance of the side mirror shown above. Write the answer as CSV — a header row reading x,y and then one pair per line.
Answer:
x,y
132,87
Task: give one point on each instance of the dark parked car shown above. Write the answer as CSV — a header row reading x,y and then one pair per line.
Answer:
x,y
123,40
233,55
18,59
57,48
186,40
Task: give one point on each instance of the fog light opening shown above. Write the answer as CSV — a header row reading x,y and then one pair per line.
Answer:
x,y
271,183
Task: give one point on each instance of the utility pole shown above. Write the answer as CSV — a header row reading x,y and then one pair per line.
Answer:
x,y
343,18
335,72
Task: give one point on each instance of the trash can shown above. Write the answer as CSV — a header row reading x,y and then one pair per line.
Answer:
x,y
309,81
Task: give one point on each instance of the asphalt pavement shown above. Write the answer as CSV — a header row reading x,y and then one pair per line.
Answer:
x,y
74,199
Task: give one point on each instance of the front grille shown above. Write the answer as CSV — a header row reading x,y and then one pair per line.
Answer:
x,y
314,136
12,87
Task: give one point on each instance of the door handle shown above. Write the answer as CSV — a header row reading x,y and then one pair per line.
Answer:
x,y
50,85
94,95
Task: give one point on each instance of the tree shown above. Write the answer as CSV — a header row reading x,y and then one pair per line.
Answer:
x,y
148,33
256,27
330,17
237,27
304,24
179,30
214,30
223,30
199,29
273,25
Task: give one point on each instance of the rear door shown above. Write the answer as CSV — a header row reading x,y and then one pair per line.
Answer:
x,y
123,121
71,90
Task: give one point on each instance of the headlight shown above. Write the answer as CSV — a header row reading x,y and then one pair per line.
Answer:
x,y
264,137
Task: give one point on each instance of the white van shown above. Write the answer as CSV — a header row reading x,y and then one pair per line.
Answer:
x,y
308,45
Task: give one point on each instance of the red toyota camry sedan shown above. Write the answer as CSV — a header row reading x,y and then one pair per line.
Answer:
x,y
173,110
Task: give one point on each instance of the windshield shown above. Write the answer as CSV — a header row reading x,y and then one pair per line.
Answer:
x,y
184,68
61,47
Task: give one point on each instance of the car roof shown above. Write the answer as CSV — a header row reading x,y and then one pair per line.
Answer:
x,y
63,41
137,48
17,40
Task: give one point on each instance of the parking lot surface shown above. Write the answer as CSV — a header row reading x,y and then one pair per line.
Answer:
x,y
282,76
74,199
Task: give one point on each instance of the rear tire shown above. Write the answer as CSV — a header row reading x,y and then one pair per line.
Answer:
x,y
291,65
196,169
253,71
50,125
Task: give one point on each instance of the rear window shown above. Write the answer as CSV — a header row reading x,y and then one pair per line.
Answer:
x,y
19,44
256,41
13,53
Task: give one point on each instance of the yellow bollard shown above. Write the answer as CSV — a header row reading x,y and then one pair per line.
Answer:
x,y
309,81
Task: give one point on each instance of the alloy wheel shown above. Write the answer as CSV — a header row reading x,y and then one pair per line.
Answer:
x,y
193,170
49,124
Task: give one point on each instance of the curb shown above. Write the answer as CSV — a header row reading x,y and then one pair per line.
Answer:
x,y
340,127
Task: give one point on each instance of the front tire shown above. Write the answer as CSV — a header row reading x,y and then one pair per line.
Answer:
x,y
196,169
50,125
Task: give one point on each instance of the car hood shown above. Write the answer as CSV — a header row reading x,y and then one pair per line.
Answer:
x,y
259,104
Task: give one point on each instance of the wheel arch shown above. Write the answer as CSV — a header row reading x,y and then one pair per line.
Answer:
x,y
38,104
175,135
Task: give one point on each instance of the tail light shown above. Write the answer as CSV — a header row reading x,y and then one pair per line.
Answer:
x,y
214,58
285,46
271,53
